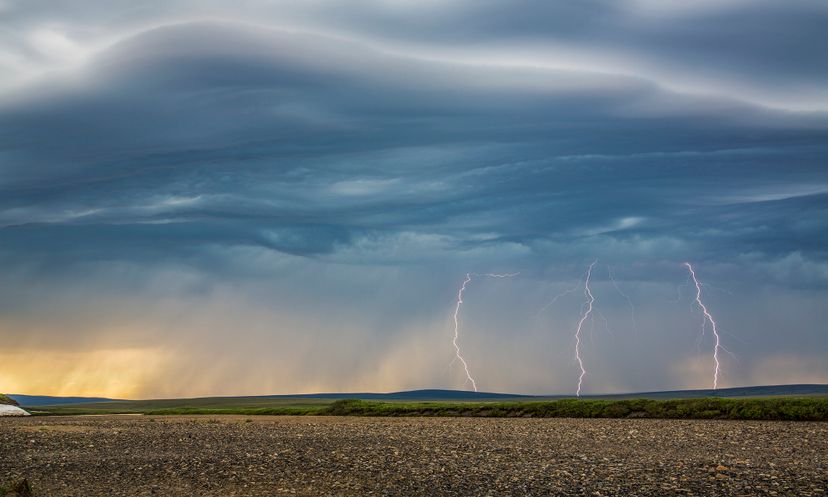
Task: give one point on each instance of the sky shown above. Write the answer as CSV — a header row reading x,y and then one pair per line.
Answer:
x,y
269,196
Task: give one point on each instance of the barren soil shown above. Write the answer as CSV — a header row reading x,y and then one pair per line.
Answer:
x,y
232,455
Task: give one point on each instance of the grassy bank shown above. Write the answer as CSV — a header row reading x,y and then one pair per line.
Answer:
x,y
782,408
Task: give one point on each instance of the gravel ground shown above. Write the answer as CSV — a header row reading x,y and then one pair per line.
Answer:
x,y
233,455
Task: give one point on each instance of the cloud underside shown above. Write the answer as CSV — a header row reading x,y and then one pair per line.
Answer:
x,y
233,134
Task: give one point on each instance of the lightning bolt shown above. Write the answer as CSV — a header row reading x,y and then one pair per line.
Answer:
x,y
457,331
707,318
587,311
459,303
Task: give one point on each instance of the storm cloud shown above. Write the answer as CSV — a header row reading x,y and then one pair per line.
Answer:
x,y
278,197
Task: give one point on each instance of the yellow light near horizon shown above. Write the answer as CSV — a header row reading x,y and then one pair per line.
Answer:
x,y
115,373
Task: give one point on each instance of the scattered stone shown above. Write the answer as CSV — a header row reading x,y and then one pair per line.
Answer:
x,y
395,457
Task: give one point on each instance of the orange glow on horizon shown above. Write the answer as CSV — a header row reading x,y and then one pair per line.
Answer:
x,y
114,373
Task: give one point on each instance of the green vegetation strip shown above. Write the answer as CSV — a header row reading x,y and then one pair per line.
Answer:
x,y
778,408
793,409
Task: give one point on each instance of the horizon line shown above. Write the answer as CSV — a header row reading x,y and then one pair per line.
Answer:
x,y
470,393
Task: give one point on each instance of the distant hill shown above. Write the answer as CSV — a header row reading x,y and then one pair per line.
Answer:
x,y
47,400
254,400
736,392
418,395
421,396
8,401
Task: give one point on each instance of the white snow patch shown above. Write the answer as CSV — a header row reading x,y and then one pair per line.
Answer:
x,y
12,411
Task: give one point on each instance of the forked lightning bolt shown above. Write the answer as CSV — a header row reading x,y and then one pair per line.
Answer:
x,y
707,317
587,311
457,331
459,303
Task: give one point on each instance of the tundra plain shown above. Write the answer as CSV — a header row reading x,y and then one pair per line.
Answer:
x,y
410,456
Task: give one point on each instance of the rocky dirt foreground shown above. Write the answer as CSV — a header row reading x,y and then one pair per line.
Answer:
x,y
91,456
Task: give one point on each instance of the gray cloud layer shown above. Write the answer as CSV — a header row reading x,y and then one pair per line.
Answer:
x,y
337,169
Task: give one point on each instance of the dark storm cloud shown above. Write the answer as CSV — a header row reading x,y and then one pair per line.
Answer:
x,y
228,128
367,140
724,38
